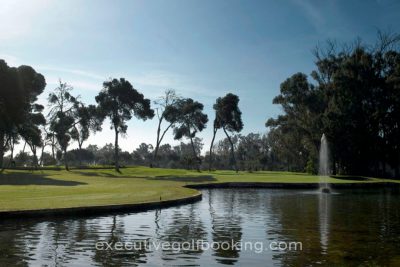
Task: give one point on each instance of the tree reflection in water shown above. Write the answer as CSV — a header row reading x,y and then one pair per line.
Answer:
x,y
353,228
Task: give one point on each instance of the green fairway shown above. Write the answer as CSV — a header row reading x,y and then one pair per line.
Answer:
x,y
27,190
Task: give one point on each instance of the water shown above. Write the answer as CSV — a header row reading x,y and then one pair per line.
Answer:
x,y
324,166
361,229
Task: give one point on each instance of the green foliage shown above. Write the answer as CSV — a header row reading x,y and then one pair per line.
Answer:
x,y
228,117
228,114
119,101
63,106
190,120
19,90
310,167
354,100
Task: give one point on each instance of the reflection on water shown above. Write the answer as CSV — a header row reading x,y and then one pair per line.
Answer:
x,y
323,209
352,228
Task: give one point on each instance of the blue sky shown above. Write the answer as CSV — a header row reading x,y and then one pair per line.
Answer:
x,y
202,49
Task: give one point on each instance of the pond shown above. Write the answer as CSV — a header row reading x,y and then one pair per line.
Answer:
x,y
244,227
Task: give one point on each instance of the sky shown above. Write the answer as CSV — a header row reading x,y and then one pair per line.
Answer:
x,y
203,49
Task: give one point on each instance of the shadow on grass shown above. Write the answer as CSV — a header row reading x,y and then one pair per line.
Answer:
x,y
201,178
97,174
261,173
107,174
33,178
175,178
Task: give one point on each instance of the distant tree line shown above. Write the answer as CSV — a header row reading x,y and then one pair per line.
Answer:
x,y
353,97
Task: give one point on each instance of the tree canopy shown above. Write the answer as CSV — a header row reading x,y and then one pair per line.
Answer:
x,y
119,101
19,89
190,121
228,117
354,99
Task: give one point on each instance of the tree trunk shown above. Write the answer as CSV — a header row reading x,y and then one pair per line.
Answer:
x,y
195,154
157,143
334,171
35,159
41,156
232,150
80,153
12,152
116,150
211,147
23,149
2,148
52,147
12,145
66,160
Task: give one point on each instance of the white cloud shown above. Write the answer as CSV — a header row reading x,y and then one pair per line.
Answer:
x,y
157,81
152,83
78,72
78,84
17,16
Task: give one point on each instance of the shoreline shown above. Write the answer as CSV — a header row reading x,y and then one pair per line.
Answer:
x,y
100,210
275,185
141,207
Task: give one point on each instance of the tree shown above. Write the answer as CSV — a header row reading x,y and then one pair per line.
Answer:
x,y
119,101
143,154
299,130
87,120
31,133
354,100
47,159
190,121
19,89
12,141
228,117
48,139
61,116
166,110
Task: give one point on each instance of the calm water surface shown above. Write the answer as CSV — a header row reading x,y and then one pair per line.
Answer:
x,y
352,228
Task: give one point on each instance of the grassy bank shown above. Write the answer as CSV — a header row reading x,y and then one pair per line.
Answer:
x,y
46,189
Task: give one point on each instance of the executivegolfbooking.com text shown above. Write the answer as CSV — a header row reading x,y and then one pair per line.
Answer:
x,y
199,245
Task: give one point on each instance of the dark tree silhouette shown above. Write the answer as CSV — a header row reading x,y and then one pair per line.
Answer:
x,y
228,117
191,120
354,100
119,101
30,131
19,89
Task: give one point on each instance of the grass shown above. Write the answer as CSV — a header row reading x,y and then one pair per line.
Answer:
x,y
47,189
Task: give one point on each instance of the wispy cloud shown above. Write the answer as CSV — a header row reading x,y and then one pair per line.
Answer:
x,y
157,78
157,81
152,82
313,14
78,84
79,72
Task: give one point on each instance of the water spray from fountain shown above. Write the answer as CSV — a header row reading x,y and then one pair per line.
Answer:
x,y
324,166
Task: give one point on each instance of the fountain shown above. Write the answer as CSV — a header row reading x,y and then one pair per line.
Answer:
x,y
324,165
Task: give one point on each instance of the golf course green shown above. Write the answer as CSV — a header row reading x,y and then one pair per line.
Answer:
x,y
54,189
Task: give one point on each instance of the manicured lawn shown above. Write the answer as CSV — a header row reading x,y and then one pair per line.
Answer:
x,y
26,190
